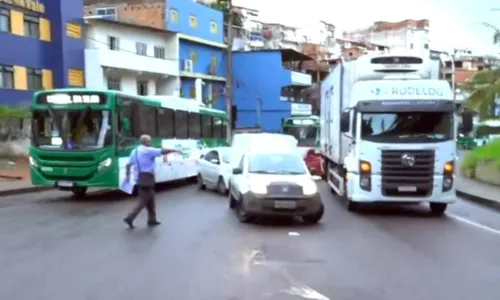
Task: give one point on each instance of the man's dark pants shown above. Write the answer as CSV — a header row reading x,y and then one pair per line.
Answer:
x,y
146,200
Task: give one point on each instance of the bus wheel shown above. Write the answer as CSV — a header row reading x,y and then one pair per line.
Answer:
x,y
79,192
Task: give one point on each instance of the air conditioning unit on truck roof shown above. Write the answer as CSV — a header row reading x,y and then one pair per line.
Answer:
x,y
392,66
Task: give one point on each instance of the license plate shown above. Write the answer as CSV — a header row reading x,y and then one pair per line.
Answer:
x,y
65,183
407,189
285,204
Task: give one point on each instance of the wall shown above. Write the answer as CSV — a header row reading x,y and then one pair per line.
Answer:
x,y
260,75
55,52
204,15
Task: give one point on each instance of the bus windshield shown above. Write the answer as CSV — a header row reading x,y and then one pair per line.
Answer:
x,y
72,129
306,135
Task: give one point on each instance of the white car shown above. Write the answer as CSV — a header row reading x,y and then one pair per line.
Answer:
x,y
274,184
214,169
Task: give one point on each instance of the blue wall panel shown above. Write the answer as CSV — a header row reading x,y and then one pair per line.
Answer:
x,y
204,55
204,16
258,78
58,55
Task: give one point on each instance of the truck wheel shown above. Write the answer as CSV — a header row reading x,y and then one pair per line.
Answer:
x,y
316,217
349,204
79,192
438,209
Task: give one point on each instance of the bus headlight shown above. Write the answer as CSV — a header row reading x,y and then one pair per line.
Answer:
x,y
309,188
33,162
258,189
104,164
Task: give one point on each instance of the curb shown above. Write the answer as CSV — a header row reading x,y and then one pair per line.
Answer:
x,y
26,190
483,201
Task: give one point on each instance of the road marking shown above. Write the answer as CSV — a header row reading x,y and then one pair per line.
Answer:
x,y
292,233
477,225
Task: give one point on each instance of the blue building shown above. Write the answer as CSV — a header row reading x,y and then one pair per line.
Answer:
x,y
42,47
201,48
265,85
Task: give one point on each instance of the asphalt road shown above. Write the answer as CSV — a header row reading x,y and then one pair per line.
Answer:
x,y
55,248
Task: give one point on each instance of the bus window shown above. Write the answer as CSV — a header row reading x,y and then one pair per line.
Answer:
x,y
217,127
148,120
166,123
181,124
206,127
194,126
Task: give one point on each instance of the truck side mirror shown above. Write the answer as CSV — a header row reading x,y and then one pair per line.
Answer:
x,y
345,122
467,122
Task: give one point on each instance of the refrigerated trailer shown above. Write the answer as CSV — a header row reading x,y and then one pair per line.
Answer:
x,y
388,133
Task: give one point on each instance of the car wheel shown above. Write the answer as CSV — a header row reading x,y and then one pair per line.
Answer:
x,y
316,217
201,184
242,214
221,186
232,201
79,192
438,209
349,204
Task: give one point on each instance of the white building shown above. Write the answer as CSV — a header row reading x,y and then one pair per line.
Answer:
x,y
405,35
279,36
323,34
132,58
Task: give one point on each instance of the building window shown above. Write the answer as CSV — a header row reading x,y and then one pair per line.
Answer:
x,y
31,26
4,20
6,77
113,43
175,16
193,22
106,11
34,79
193,56
114,84
213,27
159,52
141,48
192,92
142,88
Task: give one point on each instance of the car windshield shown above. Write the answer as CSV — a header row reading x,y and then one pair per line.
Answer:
x,y
307,136
71,129
417,127
276,164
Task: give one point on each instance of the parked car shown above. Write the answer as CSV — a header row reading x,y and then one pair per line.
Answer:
x,y
214,169
274,183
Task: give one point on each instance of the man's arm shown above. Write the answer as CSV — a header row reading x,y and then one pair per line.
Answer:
x,y
156,152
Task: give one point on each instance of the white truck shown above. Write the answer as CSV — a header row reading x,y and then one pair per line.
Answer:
x,y
388,133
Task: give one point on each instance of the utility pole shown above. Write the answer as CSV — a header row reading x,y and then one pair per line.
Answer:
x,y
229,77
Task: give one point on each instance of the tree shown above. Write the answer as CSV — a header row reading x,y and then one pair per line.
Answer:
x,y
223,6
483,89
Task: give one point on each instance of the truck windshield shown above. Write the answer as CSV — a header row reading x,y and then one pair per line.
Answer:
x,y
72,129
404,127
307,135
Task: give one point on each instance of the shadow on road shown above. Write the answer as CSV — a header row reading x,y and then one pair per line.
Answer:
x,y
397,210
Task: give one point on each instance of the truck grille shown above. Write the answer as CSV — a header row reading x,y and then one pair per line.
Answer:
x,y
403,171
284,190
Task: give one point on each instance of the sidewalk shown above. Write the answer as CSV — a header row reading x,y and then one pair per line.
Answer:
x,y
15,179
477,191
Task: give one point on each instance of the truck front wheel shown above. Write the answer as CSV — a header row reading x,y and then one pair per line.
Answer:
x,y
438,209
350,205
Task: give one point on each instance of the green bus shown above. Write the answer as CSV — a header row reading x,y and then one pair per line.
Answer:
x,y
82,138
304,128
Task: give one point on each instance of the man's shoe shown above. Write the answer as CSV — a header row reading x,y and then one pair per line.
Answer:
x,y
153,223
129,223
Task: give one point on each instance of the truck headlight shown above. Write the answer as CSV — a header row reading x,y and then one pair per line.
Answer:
x,y
258,188
104,164
309,188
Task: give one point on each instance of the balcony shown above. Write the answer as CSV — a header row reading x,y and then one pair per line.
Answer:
x,y
133,62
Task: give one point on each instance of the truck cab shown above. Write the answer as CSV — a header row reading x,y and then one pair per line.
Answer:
x,y
389,133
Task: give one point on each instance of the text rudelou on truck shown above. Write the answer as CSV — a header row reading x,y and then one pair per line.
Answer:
x,y
388,133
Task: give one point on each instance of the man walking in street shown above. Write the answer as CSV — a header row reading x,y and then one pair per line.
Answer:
x,y
143,158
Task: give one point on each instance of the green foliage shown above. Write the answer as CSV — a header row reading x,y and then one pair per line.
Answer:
x,y
483,88
487,153
11,113
223,6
